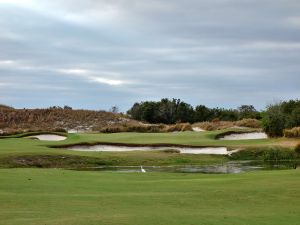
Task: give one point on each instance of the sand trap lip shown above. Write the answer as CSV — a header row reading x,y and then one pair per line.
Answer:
x,y
245,136
48,137
198,129
183,150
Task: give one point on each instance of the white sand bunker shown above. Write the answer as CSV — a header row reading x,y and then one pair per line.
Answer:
x,y
49,137
184,150
198,129
245,136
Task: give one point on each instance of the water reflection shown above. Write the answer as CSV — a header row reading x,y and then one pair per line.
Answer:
x,y
232,167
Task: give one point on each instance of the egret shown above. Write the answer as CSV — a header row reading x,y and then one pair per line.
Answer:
x,y
142,170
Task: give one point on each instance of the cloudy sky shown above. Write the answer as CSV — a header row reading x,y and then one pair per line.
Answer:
x,y
98,53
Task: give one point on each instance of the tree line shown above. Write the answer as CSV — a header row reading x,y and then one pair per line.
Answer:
x,y
170,111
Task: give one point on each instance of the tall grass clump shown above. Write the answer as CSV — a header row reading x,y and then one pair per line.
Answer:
x,y
220,125
251,123
292,133
267,154
179,127
277,154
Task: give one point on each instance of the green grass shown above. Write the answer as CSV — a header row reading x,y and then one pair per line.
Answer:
x,y
61,197
64,197
188,138
14,151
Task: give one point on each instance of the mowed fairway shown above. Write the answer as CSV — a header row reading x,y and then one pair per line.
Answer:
x,y
55,196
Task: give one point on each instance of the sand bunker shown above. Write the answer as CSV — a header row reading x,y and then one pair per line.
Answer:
x,y
49,137
245,136
184,150
198,129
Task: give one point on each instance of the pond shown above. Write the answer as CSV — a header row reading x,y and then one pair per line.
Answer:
x,y
232,167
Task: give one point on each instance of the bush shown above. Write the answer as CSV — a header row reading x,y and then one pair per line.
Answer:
x,y
292,133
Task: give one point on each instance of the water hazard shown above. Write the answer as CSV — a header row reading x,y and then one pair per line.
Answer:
x,y
232,167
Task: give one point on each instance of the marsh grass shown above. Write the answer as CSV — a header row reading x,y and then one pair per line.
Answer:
x,y
266,154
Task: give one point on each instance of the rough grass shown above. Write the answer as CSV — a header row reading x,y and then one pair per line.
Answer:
x,y
60,197
273,153
147,128
292,133
221,125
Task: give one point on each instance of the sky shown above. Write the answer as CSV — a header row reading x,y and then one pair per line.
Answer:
x,y
95,54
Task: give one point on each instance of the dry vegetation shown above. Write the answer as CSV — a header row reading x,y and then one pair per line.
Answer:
x,y
59,119
292,133
18,120
219,125
147,128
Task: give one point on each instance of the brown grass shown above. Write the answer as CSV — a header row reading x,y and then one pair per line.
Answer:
x,y
292,133
134,127
18,120
252,123
179,127
147,128
220,125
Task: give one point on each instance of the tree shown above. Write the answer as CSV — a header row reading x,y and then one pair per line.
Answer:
x,y
136,111
149,112
274,121
202,113
165,111
293,119
184,113
67,107
114,109
248,112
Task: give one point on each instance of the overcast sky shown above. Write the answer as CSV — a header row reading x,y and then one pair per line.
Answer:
x,y
99,53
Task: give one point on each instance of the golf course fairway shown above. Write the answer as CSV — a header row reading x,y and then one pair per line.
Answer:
x,y
65,197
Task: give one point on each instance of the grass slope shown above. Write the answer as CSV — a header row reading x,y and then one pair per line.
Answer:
x,y
61,197
16,152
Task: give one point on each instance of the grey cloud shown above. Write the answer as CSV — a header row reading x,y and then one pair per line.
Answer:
x,y
219,53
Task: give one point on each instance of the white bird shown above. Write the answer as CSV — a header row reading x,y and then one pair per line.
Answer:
x,y
142,170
